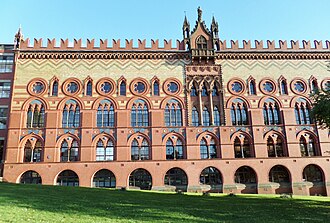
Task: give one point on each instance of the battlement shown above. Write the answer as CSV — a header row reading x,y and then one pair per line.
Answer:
x,y
103,45
224,45
270,46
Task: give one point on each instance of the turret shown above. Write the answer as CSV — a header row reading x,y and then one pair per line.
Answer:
x,y
186,32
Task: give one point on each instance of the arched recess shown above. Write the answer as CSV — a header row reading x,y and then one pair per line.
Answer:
x,y
137,98
67,178
209,145
62,103
177,178
27,103
110,98
140,179
281,175
247,176
265,98
168,98
30,177
212,176
314,174
234,99
104,178
175,146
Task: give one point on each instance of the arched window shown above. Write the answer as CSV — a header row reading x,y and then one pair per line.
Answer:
x,y
68,178
35,115
208,150
238,113
216,115
194,117
105,115
284,88
279,174
174,151
211,176
245,175
30,177
307,149
206,117
140,178
275,149
201,42
271,113
69,150
215,91
122,90
33,153
89,88
156,88
55,88
176,177
173,113
204,91
302,112
71,115
314,87
140,151
242,150
252,87
139,114
104,178
193,91
104,150
313,173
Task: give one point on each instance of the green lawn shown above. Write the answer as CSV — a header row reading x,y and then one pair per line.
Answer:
x,y
36,203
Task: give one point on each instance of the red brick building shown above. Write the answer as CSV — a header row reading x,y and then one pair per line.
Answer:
x,y
200,115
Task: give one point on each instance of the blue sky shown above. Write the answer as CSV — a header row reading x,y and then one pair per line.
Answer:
x,y
155,19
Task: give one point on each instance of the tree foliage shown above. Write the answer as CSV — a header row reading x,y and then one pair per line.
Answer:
x,y
321,107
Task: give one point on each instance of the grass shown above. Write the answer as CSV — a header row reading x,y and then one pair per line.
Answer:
x,y
40,203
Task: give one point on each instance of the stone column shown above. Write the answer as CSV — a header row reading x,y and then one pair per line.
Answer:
x,y
211,108
200,106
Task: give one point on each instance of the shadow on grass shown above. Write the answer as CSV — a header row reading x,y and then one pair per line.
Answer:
x,y
119,205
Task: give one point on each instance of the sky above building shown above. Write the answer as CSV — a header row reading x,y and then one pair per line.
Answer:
x,y
156,19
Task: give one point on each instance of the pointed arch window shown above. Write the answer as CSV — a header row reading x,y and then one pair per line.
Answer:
x,y
242,150
139,114
156,88
89,88
302,112
193,91
194,117
215,91
105,114
71,115
238,113
252,87
122,90
173,113
271,113
216,115
206,117
140,151
201,42
33,153
307,148
284,87
69,151
174,151
314,87
204,91
275,149
208,150
104,151
35,115
55,88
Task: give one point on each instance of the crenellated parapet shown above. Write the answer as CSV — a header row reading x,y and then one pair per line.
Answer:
x,y
52,45
271,46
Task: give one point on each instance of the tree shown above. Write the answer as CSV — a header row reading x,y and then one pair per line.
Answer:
x,y
321,107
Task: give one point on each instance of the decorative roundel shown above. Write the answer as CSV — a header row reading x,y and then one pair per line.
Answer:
x,y
172,86
267,86
298,86
139,86
71,86
325,84
236,86
105,86
37,87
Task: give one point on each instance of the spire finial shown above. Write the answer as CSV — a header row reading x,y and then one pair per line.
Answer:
x,y
18,37
199,12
